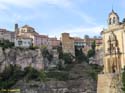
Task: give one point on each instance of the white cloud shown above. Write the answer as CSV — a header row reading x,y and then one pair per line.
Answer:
x,y
66,4
34,3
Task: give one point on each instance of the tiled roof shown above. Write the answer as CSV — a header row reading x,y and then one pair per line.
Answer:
x,y
44,36
27,26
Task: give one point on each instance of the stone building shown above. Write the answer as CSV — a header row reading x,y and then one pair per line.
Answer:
x,y
114,45
23,42
53,42
7,35
67,43
44,40
79,42
28,32
114,55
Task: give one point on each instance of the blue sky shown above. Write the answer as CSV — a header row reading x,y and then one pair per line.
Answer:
x,y
52,17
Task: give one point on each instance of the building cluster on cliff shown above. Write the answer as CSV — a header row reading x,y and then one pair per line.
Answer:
x,y
26,36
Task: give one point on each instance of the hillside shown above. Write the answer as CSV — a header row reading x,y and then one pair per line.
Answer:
x,y
81,78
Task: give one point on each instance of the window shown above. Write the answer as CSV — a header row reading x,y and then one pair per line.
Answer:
x,y
29,43
113,20
110,21
25,42
19,43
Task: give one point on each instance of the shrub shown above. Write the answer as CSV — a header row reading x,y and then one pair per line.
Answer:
x,y
80,56
63,76
33,47
10,75
59,49
6,44
42,76
68,58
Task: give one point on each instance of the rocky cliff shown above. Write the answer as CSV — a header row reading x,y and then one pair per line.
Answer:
x,y
79,81
21,57
81,77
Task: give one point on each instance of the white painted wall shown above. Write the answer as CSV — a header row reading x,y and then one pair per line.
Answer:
x,y
21,42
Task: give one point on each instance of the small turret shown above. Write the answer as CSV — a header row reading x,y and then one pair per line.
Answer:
x,y
113,18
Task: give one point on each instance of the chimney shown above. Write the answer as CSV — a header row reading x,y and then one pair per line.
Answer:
x,y
16,30
16,27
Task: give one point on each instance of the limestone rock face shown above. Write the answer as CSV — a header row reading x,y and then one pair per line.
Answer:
x,y
78,82
21,57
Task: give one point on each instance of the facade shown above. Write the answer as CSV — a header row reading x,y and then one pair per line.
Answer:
x,y
67,43
70,43
23,42
44,40
78,42
29,32
114,55
36,40
7,35
99,43
114,45
53,42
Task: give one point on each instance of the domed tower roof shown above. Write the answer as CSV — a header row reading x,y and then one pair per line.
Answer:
x,y
113,18
113,13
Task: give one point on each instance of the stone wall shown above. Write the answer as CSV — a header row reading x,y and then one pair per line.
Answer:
x,y
109,83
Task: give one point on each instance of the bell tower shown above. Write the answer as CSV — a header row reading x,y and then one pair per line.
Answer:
x,y
113,18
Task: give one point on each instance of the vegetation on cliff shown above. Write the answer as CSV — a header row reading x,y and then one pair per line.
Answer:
x,y
13,73
91,52
6,44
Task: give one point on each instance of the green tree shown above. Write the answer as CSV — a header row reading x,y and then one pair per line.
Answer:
x,y
31,73
86,36
46,54
91,52
93,45
80,56
123,20
42,75
68,58
60,65
6,44
59,49
9,76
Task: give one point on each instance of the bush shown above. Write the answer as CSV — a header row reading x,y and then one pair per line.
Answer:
x,y
59,49
31,73
6,44
13,73
10,75
33,47
46,54
91,53
80,56
63,76
68,58
42,76
95,69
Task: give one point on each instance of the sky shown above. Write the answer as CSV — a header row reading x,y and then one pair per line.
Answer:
x,y
53,17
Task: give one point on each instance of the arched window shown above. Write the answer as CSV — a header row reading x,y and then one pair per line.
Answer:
x,y
110,21
113,20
